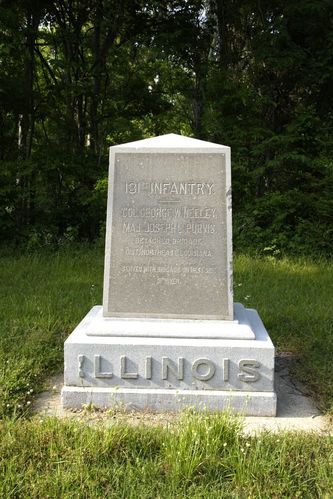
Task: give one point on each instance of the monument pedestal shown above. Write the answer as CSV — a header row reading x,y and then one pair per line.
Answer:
x,y
169,334
166,365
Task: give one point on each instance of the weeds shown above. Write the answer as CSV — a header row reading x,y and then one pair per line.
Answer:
x,y
205,456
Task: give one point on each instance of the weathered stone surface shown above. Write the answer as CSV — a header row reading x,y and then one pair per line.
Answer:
x,y
295,409
168,335
168,242
254,404
239,329
109,369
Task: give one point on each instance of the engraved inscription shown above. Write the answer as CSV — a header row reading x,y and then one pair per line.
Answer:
x,y
164,187
80,362
249,370
148,366
170,369
97,368
226,368
123,370
176,370
203,369
169,244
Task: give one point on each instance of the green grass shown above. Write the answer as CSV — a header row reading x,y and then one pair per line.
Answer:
x,y
44,296
295,301
206,456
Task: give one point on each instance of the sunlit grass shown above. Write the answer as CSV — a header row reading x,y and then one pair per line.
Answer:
x,y
295,300
204,456
44,296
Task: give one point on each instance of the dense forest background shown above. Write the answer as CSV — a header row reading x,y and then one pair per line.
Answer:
x,y
80,75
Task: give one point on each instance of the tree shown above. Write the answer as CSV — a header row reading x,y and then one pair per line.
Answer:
x,y
77,76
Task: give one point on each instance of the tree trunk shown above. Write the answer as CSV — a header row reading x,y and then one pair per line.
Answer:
x,y
26,125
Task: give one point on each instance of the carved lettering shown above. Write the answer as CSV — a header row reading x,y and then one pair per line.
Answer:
x,y
249,372
80,362
175,252
130,228
202,369
123,369
148,367
97,368
156,227
168,365
168,281
226,367
170,188
205,364
169,220
199,228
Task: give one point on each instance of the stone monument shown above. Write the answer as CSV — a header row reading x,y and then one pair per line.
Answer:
x,y
168,334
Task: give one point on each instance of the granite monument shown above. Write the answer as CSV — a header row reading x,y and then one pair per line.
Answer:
x,y
168,334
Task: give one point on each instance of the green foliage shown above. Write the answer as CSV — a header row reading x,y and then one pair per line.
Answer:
x,y
44,296
294,297
296,221
204,456
255,77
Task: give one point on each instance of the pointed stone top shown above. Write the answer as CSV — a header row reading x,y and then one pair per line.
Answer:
x,y
170,141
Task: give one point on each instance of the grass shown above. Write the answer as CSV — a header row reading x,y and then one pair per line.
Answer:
x,y
44,296
295,301
206,456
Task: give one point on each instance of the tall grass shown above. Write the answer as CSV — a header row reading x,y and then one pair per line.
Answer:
x,y
43,297
295,300
205,456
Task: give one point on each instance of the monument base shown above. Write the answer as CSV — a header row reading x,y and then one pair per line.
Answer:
x,y
141,399
168,373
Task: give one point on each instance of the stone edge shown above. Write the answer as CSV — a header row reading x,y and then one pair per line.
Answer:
x,y
162,400
96,324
